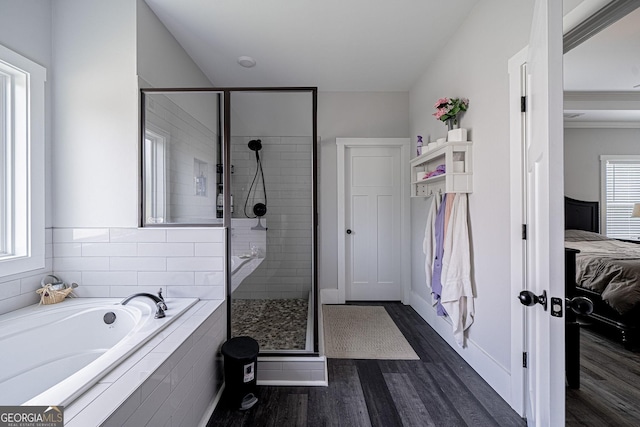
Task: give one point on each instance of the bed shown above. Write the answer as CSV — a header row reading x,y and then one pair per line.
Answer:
x,y
607,271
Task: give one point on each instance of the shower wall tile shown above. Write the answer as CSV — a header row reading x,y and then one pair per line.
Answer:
x,y
287,165
173,278
138,263
209,249
195,264
81,263
137,235
195,235
68,249
109,249
108,278
165,249
82,235
206,278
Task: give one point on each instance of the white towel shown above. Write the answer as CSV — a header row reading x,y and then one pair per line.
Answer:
x,y
457,291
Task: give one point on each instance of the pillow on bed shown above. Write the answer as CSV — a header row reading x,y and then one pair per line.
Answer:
x,y
582,236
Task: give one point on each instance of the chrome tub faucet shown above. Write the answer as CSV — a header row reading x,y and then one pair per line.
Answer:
x,y
159,301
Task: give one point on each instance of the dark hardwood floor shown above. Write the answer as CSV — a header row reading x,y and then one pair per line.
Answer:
x,y
440,389
609,384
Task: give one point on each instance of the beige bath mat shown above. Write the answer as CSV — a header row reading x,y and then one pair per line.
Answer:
x,y
363,332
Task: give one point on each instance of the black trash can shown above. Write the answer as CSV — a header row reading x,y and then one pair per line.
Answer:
x,y
240,371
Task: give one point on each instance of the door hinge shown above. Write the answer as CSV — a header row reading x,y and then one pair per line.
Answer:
x,y
524,359
524,231
523,104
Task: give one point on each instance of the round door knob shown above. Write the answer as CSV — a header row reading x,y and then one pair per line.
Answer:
x,y
349,231
580,305
527,298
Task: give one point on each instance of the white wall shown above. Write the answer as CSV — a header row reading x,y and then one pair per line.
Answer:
x,y
345,115
95,114
25,27
271,114
474,65
162,62
98,52
582,150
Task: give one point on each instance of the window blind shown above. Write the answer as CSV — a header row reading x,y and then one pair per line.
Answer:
x,y
622,190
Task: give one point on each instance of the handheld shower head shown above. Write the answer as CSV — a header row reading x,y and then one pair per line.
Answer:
x,y
255,145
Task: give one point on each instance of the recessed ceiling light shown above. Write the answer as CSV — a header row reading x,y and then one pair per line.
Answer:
x,y
246,61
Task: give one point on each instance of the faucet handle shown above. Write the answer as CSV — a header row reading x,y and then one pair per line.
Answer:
x,y
159,310
160,294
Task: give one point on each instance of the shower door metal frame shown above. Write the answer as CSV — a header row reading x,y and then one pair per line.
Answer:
x,y
226,155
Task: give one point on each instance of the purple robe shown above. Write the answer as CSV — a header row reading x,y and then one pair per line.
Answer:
x,y
436,283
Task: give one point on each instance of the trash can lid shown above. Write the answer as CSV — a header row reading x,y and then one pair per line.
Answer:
x,y
241,348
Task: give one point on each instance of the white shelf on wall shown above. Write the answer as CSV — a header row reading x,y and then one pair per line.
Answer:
x,y
449,182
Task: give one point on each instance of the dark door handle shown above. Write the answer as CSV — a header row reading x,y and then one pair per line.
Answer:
x,y
349,231
580,305
528,298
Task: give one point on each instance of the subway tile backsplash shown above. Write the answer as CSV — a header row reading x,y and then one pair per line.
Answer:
x,y
116,262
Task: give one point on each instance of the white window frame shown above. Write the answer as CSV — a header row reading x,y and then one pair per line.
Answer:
x,y
156,141
22,232
604,159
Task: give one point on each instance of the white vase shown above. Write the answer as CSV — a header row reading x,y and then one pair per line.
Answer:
x,y
459,134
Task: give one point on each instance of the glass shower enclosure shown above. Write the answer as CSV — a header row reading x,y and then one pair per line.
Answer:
x,y
244,159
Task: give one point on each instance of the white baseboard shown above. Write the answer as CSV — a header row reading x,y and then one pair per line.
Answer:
x,y
212,407
330,296
496,375
280,383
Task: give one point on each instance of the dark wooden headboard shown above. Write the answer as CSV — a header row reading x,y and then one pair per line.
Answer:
x,y
581,215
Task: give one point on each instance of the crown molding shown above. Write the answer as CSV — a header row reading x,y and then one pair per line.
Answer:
x,y
601,125
607,15
602,100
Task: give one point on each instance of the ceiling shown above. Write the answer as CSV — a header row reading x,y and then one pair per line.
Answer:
x,y
600,75
365,45
336,45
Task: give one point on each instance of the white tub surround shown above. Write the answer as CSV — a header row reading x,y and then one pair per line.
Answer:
x,y
292,371
175,379
116,262
53,353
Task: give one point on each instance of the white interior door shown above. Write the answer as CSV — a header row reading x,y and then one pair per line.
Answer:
x,y
373,223
544,212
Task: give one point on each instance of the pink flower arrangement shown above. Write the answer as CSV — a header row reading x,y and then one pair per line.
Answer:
x,y
449,108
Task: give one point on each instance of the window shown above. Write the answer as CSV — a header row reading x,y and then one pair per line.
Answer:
x,y
155,142
21,163
620,191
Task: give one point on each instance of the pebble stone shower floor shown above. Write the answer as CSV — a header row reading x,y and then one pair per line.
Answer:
x,y
277,324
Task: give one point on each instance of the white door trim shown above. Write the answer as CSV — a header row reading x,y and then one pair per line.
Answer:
x,y
403,143
517,219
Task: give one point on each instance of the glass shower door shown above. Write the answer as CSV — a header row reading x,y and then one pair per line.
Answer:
x,y
272,234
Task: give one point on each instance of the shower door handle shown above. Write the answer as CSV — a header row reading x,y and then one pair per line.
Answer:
x,y
349,231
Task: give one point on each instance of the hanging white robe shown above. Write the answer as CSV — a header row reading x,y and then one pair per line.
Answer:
x,y
429,241
457,291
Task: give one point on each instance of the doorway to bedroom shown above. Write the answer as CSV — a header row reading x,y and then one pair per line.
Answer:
x,y
602,167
